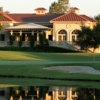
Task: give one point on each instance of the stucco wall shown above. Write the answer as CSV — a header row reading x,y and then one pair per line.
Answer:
x,y
69,27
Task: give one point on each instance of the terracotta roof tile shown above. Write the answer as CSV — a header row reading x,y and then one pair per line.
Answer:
x,y
40,9
69,17
5,17
74,8
88,18
33,17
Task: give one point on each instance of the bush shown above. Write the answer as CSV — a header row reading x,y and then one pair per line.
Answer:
x,y
39,49
11,40
32,41
20,42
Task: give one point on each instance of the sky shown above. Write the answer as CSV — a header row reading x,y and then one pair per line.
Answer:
x,y
88,7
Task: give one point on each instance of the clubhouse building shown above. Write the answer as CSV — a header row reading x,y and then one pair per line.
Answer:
x,y
60,29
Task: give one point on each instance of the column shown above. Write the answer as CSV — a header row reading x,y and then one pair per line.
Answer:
x,y
20,32
46,33
37,93
56,97
11,32
37,36
56,37
32,33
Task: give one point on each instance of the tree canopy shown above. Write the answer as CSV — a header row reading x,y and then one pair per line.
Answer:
x,y
54,8
89,38
59,7
97,18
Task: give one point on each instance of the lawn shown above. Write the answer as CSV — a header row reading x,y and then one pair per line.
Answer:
x,y
30,64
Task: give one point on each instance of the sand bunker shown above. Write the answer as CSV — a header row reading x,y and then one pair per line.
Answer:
x,y
75,69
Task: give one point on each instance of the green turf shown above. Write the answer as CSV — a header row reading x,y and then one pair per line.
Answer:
x,y
32,64
40,82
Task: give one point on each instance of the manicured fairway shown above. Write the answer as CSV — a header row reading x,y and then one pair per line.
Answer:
x,y
29,64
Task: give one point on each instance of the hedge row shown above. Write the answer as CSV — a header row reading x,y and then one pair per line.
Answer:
x,y
38,49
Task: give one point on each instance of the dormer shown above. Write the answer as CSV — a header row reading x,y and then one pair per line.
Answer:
x,y
40,11
75,10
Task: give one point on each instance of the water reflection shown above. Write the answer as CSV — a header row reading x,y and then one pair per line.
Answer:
x,y
48,93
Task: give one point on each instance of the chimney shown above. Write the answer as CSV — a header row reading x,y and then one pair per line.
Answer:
x,y
74,10
40,11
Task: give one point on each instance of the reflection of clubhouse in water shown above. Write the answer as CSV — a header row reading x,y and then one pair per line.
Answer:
x,y
38,93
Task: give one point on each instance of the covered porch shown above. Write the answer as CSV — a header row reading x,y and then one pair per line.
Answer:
x,y
25,32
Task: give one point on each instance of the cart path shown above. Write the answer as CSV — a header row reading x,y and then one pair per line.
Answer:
x,y
43,62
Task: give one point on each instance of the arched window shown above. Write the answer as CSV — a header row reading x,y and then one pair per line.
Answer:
x,y
62,35
74,35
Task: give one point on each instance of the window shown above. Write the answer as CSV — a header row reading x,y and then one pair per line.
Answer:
x,y
64,38
60,38
62,35
75,35
73,38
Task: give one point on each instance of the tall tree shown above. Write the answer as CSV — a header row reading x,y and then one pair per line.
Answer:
x,y
85,38
54,8
97,18
1,16
96,32
61,6
88,38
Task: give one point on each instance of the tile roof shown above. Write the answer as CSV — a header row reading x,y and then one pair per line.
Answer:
x,y
5,17
88,18
69,17
73,17
33,17
74,8
40,9
45,17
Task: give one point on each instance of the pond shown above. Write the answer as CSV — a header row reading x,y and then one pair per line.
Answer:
x,y
49,93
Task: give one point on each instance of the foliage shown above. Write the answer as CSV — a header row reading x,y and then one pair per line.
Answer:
x,y
88,38
32,41
1,27
97,18
20,42
63,6
54,8
38,49
11,40
85,38
1,9
86,94
42,40
42,92
59,7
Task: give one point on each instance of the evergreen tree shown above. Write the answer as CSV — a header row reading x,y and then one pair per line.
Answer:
x,y
54,8
61,6
97,18
1,27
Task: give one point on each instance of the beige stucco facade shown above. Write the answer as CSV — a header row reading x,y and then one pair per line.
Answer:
x,y
69,27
